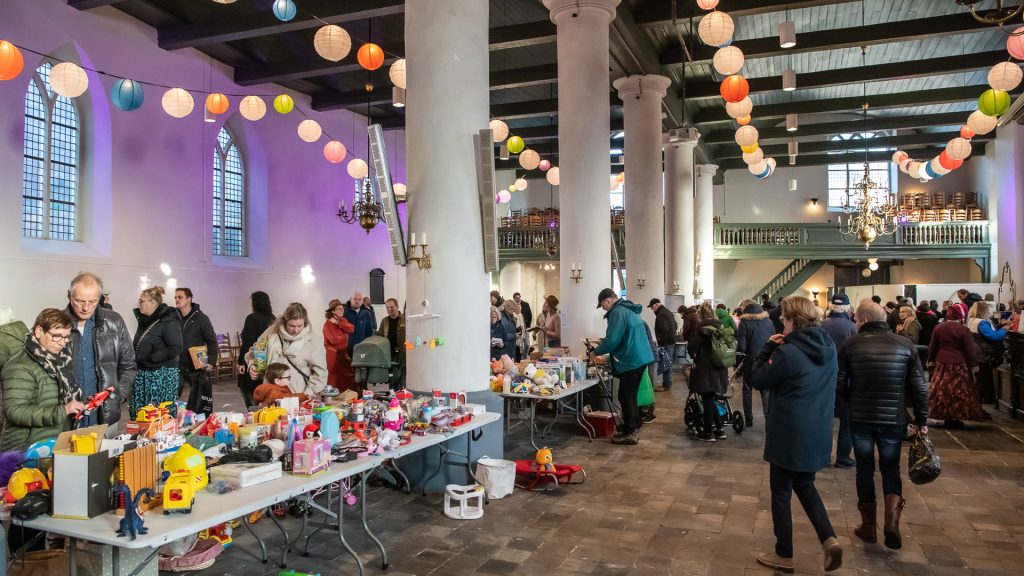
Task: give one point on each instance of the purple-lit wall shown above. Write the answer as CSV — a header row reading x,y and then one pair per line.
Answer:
x,y
146,183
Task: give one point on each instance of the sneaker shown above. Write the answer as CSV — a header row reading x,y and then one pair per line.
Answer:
x,y
720,434
833,554
648,418
706,437
773,560
631,439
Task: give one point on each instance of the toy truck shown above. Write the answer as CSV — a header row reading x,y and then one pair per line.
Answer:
x,y
179,493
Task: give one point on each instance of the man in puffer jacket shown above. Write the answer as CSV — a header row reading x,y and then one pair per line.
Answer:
x,y
754,331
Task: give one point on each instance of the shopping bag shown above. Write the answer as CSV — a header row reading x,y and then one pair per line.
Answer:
x,y
923,464
645,396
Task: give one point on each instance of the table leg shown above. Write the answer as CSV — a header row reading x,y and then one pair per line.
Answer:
x,y
73,556
284,550
532,415
327,514
341,532
442,457
366,527
263,547
558,413
581,420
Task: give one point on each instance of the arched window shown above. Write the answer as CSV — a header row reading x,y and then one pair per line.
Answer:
x,y
49,200
228,197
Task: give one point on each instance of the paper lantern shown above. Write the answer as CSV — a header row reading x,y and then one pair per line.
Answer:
x,y
252,108
958,148
716,28
753,157
948,163
728,60
544,165
758,167
914,170
707,4
127,94
529,159
621,177
771,163
335,152
979,123
177,102
746,135
553,177
283,103
504,197
515,144
370,56
332,43
935,164
734,88
499,130
1015,44
400,191
966,132
521,183
993,102
11,61
743,120
1005,76
357,169
284,10
217,103
613,184
310,130
397,73
738,109
750,148
68,79
898,156
905,165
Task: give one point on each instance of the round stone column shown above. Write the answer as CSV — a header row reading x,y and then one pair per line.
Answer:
x,y
704,231
679,248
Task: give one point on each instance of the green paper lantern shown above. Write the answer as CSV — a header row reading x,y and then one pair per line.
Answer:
x,y
993,102
284,104
515,144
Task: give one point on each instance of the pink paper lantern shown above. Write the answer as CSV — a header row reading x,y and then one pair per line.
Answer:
x,y
1015,44
544,165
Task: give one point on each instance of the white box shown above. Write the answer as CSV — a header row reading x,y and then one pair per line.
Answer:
x,y
475,409
245,474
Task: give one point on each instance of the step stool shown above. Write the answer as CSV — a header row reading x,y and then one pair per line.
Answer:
x,y
470,501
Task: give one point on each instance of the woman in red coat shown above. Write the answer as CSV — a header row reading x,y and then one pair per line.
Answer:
x,y
336,331
952,394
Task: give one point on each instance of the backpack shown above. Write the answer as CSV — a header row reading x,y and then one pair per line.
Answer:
x,y
723,346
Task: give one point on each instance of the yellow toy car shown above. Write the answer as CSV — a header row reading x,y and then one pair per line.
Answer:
x,y
179,493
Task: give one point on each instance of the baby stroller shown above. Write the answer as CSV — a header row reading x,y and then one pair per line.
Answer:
x,y
693,413
371,360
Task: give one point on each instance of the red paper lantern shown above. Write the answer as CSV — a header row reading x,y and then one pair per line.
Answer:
x,y
734,88
11,61
217,103
948,163
966,132
370,56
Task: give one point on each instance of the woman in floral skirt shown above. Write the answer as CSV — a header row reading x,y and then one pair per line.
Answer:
x,y
952,394
157,347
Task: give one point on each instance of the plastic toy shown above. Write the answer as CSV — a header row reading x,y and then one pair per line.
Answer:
x,y
179,493
311,457
9,462
530,477
469,499
270,414
221,532
24,481
393,418
544,459
38,451
95,402
84,443
311,431
330,426
190,461
132,523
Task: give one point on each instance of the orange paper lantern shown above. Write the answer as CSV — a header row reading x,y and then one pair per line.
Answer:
x,y
217,103
744,120
334,152
370,56
948,163
11,61
966,132
734,88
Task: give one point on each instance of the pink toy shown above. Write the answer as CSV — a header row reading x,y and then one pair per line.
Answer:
x,y
311,457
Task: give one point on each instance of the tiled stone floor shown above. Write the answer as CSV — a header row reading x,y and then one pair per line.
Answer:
x,y
672,505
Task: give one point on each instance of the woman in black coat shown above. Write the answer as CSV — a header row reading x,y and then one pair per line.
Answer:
x,y
799,367
707,379
256,324
157,348
754,331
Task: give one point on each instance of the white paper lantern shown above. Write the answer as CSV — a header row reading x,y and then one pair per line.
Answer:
x,y
716,28
905,165
400,191
703,4
758,167
741,108
177,102
914,170
397,73
980,123
357,169
958,148
332,42
310,130
68,79
552,176
728,60
746,135
937,167
529,159
753,157
504,197
521,183
1005,76
771,163
252,108
499,129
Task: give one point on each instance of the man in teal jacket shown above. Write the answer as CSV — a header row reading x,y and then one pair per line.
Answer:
x,y
629,352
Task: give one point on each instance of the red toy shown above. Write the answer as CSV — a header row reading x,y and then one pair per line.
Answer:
x,y
95,402
541,474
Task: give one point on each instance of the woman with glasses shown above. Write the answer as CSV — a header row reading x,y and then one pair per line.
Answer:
x,y
39,396
157,347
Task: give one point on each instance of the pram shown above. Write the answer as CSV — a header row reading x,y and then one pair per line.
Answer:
x,y
693,413
371,360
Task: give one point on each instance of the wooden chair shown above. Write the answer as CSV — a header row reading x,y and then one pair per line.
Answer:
x,y
225,366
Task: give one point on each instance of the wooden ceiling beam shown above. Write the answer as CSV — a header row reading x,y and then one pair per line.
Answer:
x,y
656,12
849,158
851,126
906,140
860,74
521,35
90,4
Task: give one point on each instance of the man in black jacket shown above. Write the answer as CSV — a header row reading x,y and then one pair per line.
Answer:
x,y
665,334
527,316
196,331
879,374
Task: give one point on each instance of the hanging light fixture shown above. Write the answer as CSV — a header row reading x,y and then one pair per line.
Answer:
x,y
398,97
792,185
794,149
787,34
791,122
788,80
503,152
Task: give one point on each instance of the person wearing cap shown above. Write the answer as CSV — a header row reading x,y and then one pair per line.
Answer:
x,y
840,327
754,331
665,334
629,352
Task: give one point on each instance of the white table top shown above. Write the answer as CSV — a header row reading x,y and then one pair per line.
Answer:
x,y
576,388
212,509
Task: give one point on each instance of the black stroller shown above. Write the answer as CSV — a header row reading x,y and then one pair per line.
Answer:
x,y
372,363
693,412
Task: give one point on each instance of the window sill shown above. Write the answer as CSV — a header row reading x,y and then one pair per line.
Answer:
x,y
234,262
60,248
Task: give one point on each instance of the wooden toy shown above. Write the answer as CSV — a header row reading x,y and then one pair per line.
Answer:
x,y
137,469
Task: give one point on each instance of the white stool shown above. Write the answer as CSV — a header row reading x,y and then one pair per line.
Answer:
x,y
467,508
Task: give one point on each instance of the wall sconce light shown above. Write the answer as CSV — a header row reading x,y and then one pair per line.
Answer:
x,y
576,272
641,281
423,259
814,201
815,294
675,286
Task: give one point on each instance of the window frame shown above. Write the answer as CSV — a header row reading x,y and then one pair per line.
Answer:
x,y
854,171
221,155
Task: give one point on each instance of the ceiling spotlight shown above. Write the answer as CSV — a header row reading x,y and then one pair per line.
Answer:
x,y
398,97
793,185
787,34
788,80
791,123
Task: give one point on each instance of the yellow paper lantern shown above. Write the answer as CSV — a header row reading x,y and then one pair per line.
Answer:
x,y
334,151
746,135
358,169
68,79
284,104
217,103
529,159
743,120
499,130
748,149
332,42
521,183
515,144
11,61
310,131
397,73
620,177
716,28
252,108
177,102
728,60
553,176
512,188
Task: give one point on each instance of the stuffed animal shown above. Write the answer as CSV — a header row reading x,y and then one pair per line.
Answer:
x,y
544,460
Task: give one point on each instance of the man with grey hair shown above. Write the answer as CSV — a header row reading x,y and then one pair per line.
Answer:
x,y
361,317
879,375
101,349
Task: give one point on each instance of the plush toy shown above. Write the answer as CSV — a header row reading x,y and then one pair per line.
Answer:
x,y
9,462
544,460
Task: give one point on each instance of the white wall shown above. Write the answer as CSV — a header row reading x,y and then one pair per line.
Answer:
x,y
147,183
739,279
947,271
533,283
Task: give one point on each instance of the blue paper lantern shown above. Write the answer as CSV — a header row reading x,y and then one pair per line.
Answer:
x,y
284,10
931,173
127,94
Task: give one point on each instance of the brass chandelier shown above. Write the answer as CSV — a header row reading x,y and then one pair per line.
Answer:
x,y
366,209
996,17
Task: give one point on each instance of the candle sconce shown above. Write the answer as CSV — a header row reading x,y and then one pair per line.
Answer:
x,y
422,259
576,272
641,281
675,286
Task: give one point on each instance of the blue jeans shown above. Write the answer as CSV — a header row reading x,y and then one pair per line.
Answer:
x,y
666,378
844,440
888,439
783,483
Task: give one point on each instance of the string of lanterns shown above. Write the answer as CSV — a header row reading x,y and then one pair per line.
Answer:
x,y
528,159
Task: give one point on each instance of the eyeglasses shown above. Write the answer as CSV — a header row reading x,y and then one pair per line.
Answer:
x,y
58,338
285,377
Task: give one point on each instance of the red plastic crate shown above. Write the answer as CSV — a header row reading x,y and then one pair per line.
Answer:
x,y
603,423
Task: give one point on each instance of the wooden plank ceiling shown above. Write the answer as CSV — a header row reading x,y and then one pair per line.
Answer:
x,y
925,64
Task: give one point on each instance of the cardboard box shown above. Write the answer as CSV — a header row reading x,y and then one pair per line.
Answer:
x,y
245,474
83,483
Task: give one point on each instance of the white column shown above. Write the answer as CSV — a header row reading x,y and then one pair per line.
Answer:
x,y
446,49
704,231
584,163
679,249
645,241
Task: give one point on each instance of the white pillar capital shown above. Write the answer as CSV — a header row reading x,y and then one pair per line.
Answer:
x,y
642,85
706,170
690,143
561,10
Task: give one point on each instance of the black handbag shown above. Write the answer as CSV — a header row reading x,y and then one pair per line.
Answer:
x,y
923,465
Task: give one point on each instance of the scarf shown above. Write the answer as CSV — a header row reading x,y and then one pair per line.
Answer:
x,y
56,366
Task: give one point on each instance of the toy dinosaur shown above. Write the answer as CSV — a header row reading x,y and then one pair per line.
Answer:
x,y
131,524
